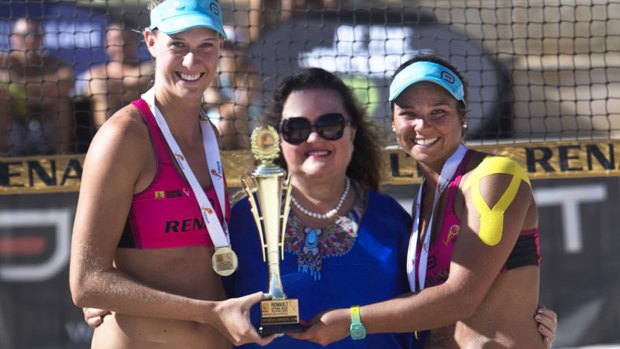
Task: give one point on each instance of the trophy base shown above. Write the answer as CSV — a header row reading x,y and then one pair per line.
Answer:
x,y
279,316
266,330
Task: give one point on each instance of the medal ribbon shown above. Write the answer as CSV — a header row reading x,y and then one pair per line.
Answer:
x,y
216,229
447,172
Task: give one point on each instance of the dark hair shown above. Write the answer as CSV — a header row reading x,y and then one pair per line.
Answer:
x,y
366,164
462,109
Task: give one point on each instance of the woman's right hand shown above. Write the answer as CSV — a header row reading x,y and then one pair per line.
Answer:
x,y
233,320
94,317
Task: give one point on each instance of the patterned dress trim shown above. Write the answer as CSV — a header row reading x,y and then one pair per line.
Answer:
x,y
312,245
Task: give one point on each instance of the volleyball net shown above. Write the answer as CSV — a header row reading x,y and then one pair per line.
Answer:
x,y
544,77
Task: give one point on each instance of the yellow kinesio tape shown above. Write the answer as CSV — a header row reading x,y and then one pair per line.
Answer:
x,y
492,219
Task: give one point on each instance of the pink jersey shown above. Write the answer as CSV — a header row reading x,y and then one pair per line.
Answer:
x,y
166,214
525,252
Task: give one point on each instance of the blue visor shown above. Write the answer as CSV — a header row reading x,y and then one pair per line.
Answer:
x,y
175,16
427,71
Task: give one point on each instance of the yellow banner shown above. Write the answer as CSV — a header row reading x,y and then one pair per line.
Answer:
x,y
542,160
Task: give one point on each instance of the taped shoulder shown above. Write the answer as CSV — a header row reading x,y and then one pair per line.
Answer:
x,y
496,165
492,218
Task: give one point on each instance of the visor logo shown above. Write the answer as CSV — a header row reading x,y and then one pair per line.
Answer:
x,y
215,9
447,77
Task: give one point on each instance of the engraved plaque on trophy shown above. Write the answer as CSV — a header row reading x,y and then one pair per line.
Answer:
x,y
269,192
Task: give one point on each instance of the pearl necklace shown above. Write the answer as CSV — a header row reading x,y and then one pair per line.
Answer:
x,y
330,213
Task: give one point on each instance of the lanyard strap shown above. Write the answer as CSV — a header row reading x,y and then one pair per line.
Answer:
x,y
447,173
216,229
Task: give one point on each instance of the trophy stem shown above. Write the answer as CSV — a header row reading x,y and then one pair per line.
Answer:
x,y
269,185
276,291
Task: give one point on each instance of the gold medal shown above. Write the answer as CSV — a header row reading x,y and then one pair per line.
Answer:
x,y
224,261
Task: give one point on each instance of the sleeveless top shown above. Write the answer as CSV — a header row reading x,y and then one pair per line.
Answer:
x,y
166,214
525,252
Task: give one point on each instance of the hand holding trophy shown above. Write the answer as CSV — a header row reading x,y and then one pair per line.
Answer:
x,y
265,187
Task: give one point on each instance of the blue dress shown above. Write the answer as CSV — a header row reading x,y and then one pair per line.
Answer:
x,y
354,261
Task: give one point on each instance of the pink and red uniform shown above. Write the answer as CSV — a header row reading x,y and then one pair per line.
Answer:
x,y
166,214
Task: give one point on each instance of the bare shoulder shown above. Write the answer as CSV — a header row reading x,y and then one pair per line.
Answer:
x,y
121,157
127,123
123,137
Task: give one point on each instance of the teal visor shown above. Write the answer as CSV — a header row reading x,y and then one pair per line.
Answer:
x,y
427,71
175,16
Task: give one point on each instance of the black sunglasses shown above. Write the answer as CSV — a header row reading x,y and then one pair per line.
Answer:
x,y
329,126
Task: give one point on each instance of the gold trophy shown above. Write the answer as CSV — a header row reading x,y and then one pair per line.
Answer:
x,y
265,186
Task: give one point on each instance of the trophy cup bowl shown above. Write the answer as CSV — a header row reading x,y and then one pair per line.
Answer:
x,y
266,185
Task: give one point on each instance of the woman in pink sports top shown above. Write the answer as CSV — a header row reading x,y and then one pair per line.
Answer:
x,y
141,248
473,262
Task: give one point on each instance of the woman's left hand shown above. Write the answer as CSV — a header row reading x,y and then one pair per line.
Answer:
x,y
326,328
547,324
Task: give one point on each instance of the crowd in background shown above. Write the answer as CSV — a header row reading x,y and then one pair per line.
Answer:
x,y
48,108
